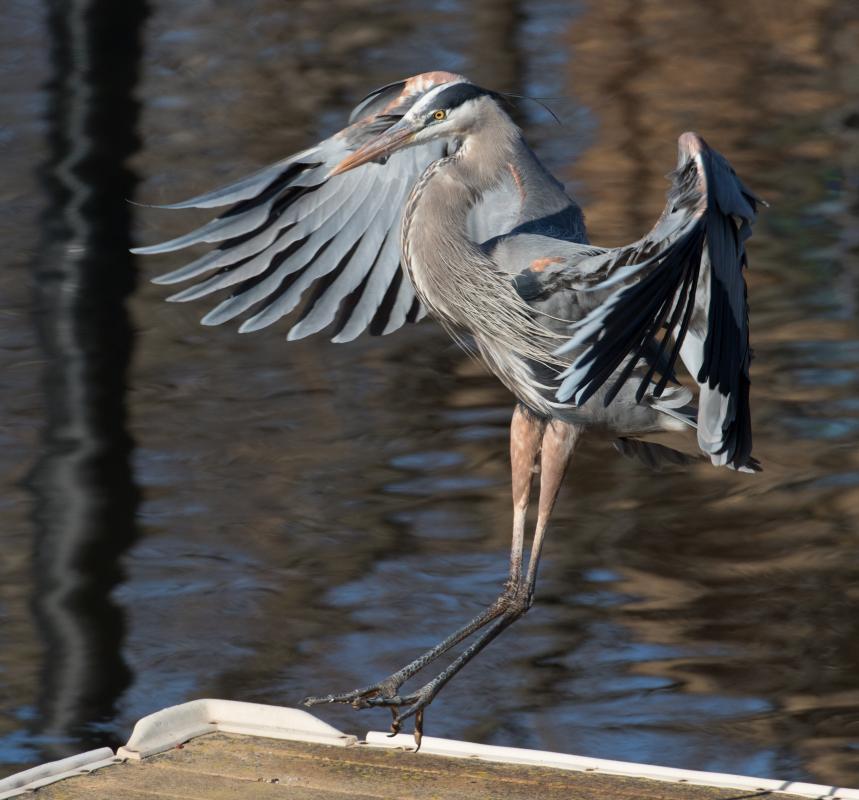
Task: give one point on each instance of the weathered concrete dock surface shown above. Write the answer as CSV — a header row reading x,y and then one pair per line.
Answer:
x,y
218,766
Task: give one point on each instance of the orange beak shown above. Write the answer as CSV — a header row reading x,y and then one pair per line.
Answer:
x,y
392,139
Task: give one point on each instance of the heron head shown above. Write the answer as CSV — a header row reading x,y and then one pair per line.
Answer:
x,y
449,111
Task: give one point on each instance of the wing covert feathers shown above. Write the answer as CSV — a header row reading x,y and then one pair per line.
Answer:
x,y
682,284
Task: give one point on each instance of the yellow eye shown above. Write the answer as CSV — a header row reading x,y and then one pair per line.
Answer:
x,y
440,115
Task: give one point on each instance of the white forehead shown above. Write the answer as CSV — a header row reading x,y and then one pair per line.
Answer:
x,y
427,102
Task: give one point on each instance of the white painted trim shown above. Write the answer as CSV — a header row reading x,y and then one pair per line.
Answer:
x,y
172,726
541,758
53,771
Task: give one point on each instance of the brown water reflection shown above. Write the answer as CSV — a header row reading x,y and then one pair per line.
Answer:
x,y
312,514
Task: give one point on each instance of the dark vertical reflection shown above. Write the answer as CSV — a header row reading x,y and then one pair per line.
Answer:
x,y
84,493
496,30
620,84
498,58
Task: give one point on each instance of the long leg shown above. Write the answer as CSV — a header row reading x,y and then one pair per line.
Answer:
x,y
526,439
526,436
559,440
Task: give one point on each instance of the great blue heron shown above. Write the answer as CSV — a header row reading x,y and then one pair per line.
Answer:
x,y
431,202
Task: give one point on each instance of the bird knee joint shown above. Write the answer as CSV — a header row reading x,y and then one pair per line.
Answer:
x,y
515,600
524,601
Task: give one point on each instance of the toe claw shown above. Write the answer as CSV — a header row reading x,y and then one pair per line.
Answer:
x,y
419,728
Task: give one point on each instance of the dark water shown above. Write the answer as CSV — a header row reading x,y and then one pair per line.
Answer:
x,y
188,512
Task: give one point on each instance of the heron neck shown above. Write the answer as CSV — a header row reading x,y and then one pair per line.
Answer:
x,y
481,163
435,223
451,274
437,249
456,280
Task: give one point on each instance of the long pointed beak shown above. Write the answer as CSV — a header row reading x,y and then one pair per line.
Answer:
x,y
392,139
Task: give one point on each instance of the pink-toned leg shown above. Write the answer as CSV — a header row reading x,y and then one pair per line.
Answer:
x,y
526,436
559,441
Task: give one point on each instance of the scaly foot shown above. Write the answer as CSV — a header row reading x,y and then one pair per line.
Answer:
x,y
384,694
361,698
509,606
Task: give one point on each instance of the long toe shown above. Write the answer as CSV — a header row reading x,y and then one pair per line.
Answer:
x,y
357,698
382,693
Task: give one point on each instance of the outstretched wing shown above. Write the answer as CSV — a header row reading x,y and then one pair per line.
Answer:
x,y
682,285
290,228
292,233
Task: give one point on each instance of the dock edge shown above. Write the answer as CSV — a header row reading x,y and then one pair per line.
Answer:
x,y
175,725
